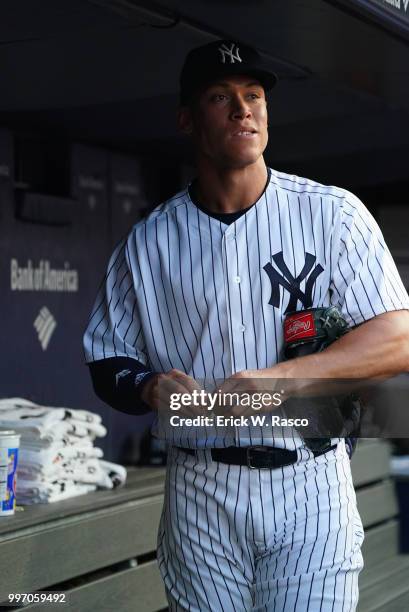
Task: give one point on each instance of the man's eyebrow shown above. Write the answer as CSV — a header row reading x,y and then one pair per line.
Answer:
x,y
225,84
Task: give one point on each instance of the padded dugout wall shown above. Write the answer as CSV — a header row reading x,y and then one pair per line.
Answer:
x,y
6,186
53,253
128,204
127,195
53,256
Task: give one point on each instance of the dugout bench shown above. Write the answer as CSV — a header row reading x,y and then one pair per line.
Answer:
x,y
383,583
100,548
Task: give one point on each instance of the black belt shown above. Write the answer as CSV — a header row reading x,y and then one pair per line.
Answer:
x,y
257,457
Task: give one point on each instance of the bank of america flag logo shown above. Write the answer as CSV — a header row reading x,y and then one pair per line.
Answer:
x,y
45,325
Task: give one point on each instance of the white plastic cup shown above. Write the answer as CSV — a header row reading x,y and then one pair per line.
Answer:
x,y
9,446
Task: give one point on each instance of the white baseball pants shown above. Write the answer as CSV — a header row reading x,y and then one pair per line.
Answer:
x,y
235,539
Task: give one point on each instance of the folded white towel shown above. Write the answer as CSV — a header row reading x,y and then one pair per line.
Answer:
x,y
57,458
8,403
104,474
38,486
25,472
36,417
61,490
82,429
58,430
83,415
90,472
66,441
14,410
57,453
64,471
117,473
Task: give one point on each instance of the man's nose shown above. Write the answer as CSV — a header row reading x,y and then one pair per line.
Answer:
x,y
240,108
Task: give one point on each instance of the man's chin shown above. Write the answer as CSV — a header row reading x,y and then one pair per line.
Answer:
x,y
242,156
241,161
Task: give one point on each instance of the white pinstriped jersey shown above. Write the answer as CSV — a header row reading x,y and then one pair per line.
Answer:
x,y
186,291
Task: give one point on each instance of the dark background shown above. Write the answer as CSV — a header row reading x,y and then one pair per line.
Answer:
x,y
89,94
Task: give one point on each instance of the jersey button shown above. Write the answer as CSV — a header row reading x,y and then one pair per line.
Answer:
x,y
237,279
242,328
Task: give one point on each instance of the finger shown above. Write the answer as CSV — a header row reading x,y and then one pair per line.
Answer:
x,y
173,394
187,381
198,397
160,390
231,386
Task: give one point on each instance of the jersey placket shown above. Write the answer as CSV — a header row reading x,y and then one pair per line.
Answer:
x,y
232,279
236,324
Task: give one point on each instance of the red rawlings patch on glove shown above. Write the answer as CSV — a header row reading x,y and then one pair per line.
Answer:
x,y
299,325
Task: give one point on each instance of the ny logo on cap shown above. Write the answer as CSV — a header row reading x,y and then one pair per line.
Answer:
x,y
232,53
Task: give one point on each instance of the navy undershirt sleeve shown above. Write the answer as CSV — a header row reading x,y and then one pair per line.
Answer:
x,y
118,381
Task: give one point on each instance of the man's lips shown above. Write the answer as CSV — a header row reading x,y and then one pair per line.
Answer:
x,y
244,133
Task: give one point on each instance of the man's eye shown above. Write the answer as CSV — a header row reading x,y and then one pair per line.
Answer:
x,y
254,96
218,97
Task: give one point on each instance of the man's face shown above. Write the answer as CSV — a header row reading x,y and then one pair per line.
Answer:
x,y
228,121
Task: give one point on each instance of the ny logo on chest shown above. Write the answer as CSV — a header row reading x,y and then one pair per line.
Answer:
x,y
291,283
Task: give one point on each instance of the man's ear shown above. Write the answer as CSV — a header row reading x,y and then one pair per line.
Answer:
x,y
185,121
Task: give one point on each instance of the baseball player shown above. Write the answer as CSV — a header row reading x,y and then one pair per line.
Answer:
x,y
197,294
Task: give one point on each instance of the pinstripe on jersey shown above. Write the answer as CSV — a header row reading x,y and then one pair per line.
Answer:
x,y
186,291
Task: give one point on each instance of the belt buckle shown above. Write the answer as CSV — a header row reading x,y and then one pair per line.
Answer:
x,y
249,449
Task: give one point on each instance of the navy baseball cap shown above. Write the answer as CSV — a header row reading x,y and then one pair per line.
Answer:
x,y
218,59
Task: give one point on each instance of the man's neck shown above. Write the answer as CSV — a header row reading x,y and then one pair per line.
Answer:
x,y
230,190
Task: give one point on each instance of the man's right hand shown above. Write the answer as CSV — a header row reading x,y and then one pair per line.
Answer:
x,y
157,391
